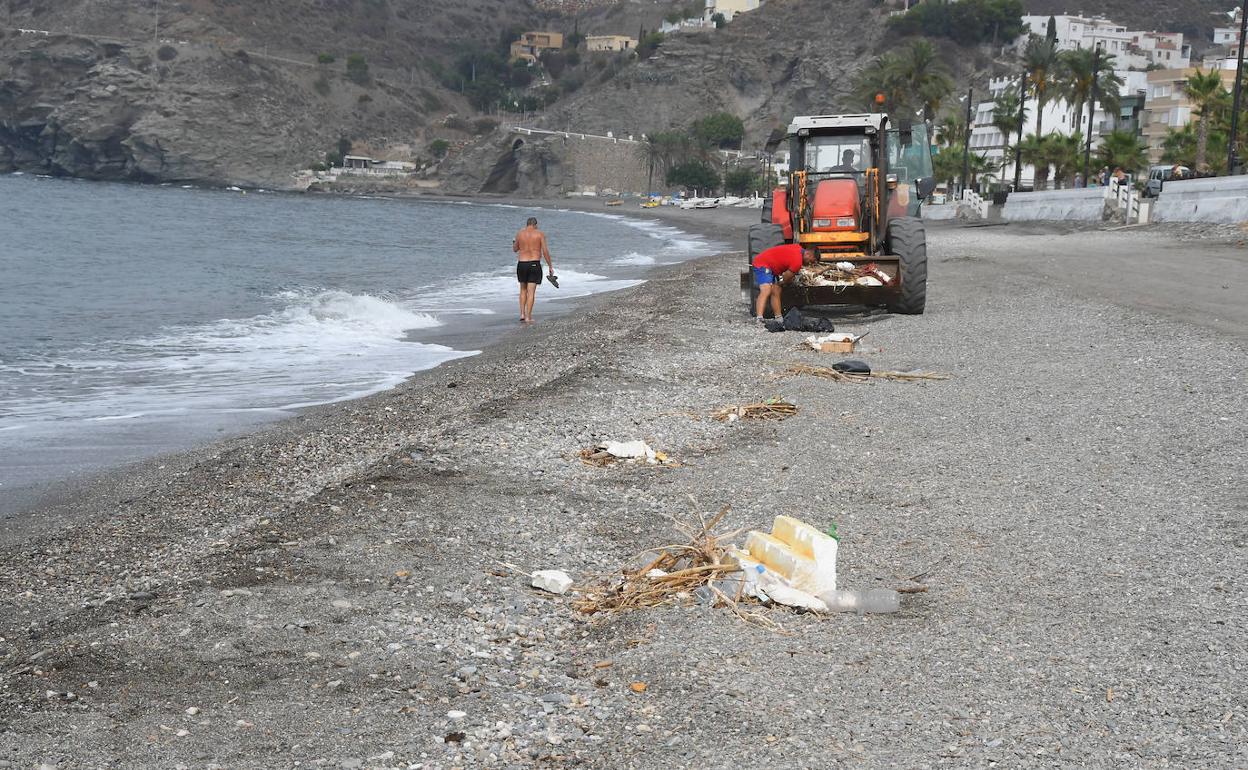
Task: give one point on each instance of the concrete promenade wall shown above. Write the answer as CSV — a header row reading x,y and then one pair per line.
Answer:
x,y
1080,205
595,163
1219,199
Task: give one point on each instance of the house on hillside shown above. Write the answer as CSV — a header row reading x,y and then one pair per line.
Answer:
x,y
366,166
1132,49
531,44
611,43
1167,105
729,8
1228,36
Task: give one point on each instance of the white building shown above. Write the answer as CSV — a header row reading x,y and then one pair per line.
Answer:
x,y
1058,118
729,8
1132,49
1228,36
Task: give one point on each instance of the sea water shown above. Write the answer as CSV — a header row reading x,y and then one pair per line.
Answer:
x,y
136,320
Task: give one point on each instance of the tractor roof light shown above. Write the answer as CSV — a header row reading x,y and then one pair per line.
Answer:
x,y
891,180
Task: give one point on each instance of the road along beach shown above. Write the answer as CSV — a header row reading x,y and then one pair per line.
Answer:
x,y
330,591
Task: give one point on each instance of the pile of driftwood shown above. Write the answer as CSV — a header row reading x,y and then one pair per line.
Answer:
x,y
828,373
771,409
674,573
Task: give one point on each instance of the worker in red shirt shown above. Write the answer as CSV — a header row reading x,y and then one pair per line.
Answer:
x,y
777,267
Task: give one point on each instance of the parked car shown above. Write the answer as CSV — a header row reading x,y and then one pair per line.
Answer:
x,y
1159,175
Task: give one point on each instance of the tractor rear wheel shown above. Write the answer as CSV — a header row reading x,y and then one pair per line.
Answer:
x,y
761,237
907,240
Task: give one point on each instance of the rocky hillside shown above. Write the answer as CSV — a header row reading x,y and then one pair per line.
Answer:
x,y
790,57
246,91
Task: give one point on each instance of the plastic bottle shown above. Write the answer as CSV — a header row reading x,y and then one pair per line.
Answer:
x,y
875,600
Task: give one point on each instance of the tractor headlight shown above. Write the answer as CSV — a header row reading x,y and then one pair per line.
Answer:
x,y
846,222
822,223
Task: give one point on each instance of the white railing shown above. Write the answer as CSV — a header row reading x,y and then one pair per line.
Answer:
x,y
975,201
568,134
1125,199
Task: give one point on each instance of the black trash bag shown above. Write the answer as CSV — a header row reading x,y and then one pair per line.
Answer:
x,y
852,366
774,325
794,321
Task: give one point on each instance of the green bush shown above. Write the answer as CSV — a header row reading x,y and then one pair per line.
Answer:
x,y
167,53
357,69
966,22
741,181
321,85
439,147
721,129
484,126
324,58
694,175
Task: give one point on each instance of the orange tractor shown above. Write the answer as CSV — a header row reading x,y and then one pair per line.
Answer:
x,y
854,190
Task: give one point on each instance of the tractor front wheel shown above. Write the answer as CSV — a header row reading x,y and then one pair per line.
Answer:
x,y
761,237
907,240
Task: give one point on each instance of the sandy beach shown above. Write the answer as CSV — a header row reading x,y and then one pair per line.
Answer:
x,y
342,589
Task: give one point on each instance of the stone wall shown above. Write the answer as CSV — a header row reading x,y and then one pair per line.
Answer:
x,y
1078,205
547,164
1220,199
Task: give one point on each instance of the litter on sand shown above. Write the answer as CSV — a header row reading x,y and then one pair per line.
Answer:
x,y
771,409
555,581
838,342
794,565
829,373
608,452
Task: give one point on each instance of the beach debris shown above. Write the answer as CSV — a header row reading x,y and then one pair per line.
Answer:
x,y
791,565
771,409
608,452
556,581
638,687
837,342
673,570
829,373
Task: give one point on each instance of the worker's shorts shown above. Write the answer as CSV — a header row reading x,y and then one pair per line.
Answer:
x,y
529,271
763,275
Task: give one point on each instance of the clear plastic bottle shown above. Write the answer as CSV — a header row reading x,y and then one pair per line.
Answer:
x,y
875,600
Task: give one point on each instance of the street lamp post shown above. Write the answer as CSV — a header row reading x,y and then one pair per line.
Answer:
x,y
966,140
1232,157
1087,148
1022,117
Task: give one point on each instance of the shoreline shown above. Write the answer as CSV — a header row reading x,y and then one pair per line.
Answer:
x,y
49,505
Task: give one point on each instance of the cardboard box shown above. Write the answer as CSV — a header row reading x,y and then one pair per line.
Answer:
x,y
838,347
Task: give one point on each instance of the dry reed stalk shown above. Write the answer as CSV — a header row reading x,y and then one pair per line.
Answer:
x,y
686,567
772,409
828,373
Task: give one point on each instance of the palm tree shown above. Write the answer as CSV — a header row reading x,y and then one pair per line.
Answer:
x,y
912,78
1077,78
1063,154
1205,91
1123,149
952,131
1042,65
981,165
1005,115
923,75
1032,152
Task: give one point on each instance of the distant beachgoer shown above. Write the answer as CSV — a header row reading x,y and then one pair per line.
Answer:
x,y
531,248
1105,176
777,267
1120,175
1078,179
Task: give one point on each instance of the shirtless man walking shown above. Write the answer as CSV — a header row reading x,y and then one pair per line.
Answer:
x,y
530,247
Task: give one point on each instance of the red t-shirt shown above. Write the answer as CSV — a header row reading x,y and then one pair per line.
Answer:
x,y
778,259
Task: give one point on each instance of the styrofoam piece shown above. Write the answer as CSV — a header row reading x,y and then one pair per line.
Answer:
x,y
554,580
630,450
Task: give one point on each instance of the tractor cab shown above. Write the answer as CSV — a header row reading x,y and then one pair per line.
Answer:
x,y
854,191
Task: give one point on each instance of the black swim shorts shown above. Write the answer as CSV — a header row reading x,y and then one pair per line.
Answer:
x,y
529,271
